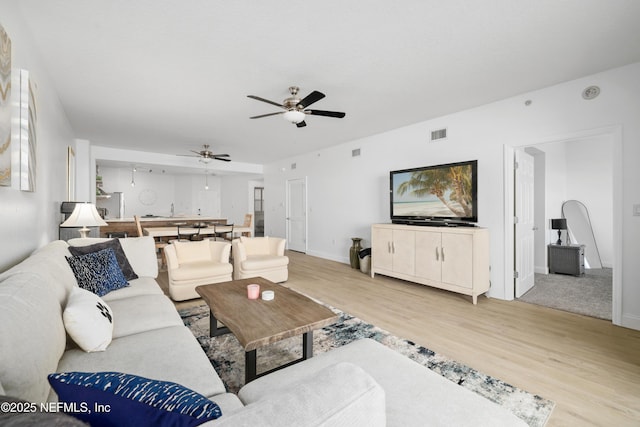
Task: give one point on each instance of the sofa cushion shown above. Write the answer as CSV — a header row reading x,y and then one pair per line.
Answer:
x,y
141,286
32,336
143,313
132,400
114,244
88,320
98,272
415,395
169,354
339,395
199,270
261,262
188,252
140,251
255,245
49,263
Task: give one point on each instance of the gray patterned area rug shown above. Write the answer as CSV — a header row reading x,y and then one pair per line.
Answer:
x,y
227,357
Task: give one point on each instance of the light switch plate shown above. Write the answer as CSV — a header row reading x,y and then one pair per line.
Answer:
x,y
636,210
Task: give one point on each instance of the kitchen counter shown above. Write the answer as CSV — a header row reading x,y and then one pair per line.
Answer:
x,y
119,226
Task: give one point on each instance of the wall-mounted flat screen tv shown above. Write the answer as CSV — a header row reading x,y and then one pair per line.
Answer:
x,y
442,193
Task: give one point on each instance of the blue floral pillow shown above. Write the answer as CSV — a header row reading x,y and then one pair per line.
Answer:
x,y
117,399
98,272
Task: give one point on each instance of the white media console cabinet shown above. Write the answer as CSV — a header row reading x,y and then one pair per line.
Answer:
x,y
451,258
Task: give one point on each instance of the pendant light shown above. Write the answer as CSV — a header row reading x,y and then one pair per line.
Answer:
x,y
133,180
206,180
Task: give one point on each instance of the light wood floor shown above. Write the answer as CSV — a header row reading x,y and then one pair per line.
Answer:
x,y
587,366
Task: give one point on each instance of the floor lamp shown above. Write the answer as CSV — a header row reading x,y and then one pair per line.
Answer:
x,y
84,215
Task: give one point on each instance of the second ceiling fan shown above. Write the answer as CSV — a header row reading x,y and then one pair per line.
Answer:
x,y
295,109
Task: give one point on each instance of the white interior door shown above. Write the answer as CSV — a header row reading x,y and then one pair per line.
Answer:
x,y
524,226
297,214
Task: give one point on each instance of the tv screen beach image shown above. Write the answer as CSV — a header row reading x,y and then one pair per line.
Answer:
x,y
437,192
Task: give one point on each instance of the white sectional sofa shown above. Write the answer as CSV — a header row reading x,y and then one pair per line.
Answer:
x,y
360,384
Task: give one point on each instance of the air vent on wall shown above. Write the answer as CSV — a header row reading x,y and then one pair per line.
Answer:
x,y
355,152
437,135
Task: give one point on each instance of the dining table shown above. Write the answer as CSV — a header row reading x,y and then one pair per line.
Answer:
x,y
179,230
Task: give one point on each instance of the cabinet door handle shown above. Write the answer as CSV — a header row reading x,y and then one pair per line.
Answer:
x,y
437,254
393,247
442,254
389,247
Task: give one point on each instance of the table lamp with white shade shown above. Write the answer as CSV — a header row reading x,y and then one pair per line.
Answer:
x,y
84,215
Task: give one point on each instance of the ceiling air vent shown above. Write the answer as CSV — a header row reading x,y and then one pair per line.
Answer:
x,y
437,135
355,152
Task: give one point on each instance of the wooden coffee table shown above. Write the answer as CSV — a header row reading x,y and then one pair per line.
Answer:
x,y
256,323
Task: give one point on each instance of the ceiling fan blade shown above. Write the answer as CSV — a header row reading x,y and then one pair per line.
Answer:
x,y
221,158
314,96
301,124
220,155
257,98
335,114
266,115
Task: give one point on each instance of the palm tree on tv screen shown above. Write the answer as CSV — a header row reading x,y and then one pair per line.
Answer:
x,y
456,179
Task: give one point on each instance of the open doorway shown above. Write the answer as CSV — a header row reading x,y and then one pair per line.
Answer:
x,y
581,168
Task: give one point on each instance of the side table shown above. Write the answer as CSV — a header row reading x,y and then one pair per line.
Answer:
x,y
566,259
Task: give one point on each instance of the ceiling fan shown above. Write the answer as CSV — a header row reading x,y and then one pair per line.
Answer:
x,y
207,155
295,108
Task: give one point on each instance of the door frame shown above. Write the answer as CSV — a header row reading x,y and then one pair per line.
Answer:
x,y
306,211
615,132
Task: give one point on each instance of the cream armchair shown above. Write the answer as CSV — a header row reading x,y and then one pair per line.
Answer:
x,y
191,264
260,257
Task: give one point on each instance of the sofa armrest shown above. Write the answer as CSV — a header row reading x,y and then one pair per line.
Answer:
x,y
339,395
171,257
239,251
220,251
276,246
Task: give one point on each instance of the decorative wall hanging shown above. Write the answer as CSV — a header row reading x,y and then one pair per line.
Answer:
x,y
28,119
71,174
5,108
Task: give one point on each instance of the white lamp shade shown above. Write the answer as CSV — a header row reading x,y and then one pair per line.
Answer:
x,y
294,116
84,215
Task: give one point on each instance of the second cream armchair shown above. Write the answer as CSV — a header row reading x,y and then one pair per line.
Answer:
x,y
260,257
191,264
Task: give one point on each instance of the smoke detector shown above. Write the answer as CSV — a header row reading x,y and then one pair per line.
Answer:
x,y
591,92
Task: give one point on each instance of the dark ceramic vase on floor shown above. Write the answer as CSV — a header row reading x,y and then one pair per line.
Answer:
x,y
354,251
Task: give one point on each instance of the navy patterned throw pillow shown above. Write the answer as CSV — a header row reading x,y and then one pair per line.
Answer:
x,y
98,272
114,244
130,400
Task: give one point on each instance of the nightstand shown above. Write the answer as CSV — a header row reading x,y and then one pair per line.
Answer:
x,y
566,259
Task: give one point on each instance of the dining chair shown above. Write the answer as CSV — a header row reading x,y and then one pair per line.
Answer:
x,y
222,230
246,229
160,245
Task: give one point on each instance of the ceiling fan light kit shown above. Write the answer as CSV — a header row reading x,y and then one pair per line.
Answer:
x,y
295,108
294,116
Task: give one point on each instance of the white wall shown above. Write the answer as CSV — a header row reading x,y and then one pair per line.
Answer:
x,y
237,196
30,220
346,195
590,180
186,192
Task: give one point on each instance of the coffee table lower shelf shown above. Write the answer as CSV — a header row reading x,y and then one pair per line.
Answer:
x,y
250,357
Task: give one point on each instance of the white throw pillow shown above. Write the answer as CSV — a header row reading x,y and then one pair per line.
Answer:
x,y
255,245
193,251
88,320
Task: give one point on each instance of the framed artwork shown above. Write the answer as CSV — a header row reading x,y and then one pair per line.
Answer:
x,y
28,116
5,108
71,174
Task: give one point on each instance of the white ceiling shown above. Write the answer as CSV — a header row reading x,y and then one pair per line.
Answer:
x,y
167,76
